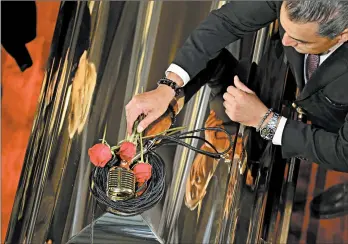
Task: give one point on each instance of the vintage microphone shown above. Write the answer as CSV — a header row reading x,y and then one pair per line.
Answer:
x,y
120,184
121,180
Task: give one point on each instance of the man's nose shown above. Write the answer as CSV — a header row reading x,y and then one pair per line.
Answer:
x,y
288,41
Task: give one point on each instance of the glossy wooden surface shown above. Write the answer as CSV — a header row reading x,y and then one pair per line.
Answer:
x,y
20,93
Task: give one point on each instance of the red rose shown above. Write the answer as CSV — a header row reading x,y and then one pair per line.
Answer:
x,y
127,151
142,172
99,154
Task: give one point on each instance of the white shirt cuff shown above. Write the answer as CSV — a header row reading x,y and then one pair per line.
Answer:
x,y
180,72
277,139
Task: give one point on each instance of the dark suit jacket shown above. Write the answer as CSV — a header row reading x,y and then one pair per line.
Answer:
x,y
324,97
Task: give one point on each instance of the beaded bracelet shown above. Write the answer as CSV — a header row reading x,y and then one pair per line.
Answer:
x,y
171,84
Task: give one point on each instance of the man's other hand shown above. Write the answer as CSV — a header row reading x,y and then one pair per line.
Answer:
x,y
242,105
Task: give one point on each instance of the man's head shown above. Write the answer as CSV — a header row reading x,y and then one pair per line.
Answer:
x,y
314,27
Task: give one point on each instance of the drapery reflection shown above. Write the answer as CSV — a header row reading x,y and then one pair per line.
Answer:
x,y
81,94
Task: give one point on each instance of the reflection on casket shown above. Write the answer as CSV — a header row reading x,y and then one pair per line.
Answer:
x,y
128,47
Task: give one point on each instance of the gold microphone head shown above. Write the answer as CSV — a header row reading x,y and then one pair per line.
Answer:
x,y
120,184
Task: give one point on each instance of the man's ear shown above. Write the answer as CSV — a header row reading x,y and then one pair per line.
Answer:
x,y
343,37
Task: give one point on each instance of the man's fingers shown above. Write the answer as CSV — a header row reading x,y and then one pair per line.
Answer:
x,y
240,85
235,92
228,106
151,117
228,96
132,115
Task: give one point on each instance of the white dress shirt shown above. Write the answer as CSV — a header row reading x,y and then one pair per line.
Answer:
x,y
277,139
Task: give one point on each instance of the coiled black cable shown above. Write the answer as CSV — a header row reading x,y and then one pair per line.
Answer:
x,y
136,205
156,185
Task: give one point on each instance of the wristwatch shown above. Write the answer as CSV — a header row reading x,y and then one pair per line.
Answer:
x,y
268,131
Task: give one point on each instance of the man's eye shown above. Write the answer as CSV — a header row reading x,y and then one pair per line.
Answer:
x,y
303,43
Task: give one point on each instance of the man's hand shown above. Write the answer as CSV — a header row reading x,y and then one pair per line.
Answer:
x,y
242,105
152,104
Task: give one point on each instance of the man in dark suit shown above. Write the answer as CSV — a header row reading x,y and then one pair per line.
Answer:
x,y
314,37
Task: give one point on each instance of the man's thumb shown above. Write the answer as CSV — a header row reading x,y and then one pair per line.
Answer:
x,y
240,85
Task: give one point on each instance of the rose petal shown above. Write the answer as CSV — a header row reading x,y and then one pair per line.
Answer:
x,y
142,171
100,154
127,151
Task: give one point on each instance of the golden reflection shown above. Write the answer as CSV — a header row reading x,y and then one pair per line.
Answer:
x,y
161,124
231,211
82,90
203,167
165,121
240,157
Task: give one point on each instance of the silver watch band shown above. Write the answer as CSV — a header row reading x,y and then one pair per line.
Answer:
x,y
268,131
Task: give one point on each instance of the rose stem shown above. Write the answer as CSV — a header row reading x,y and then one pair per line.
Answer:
x,y
103,141
172,130
141,147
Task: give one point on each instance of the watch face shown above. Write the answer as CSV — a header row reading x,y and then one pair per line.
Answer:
x,y
267,133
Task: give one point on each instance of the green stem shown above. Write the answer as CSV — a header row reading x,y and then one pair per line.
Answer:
x,y
103,141
134,132
141,147
172,130
115,147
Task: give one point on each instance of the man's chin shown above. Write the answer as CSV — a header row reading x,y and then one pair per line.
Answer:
x,y
299,50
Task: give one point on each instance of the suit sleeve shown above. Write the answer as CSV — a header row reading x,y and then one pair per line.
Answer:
x,y
222,27
327,149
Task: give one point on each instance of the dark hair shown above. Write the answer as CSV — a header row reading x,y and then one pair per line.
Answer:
x,y
332,16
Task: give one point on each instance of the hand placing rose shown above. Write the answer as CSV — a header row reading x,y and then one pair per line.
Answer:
x,y
153,104
242,105
100,154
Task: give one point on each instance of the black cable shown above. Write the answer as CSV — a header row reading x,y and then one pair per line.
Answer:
x,y
137,205
94,206
177,139
196,137
156,184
